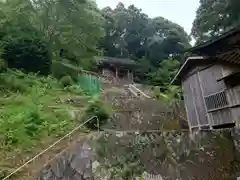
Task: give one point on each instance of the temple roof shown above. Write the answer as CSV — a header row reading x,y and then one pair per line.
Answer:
x,y
114,60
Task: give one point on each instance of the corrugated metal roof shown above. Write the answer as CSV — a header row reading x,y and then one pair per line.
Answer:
x,y
232,57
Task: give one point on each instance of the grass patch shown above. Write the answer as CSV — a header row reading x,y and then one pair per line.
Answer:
x,y
34,112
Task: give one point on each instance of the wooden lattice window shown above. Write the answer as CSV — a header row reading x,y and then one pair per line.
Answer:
x,y
216,101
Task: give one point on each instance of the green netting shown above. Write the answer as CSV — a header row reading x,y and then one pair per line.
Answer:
x,y
91,85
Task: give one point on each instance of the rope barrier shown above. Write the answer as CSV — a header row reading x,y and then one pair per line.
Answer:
x,y
41,153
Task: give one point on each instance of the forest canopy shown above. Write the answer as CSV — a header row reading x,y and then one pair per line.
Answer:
x,y
130,33
214,17
74,31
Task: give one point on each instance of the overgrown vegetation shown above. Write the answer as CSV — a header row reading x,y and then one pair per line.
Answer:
x,y
35,33
97,108
24,48
172,155
164,75
43,47
51,41
32,110
37,110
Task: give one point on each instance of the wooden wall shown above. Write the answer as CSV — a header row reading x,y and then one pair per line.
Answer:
x,y
234,95
234,98
236,115
229,69
209,77
206,98
196,110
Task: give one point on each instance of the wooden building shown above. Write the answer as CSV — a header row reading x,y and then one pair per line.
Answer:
x,y
210,79
117,67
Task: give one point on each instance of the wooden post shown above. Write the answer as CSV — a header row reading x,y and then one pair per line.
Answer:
x,y
116,73
201,89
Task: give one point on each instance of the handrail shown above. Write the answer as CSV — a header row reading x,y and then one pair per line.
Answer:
x,y
47,149
133,92
138,90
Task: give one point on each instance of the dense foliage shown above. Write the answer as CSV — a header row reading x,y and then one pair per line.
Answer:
x,y
132,34
74,26
47,36
166,72
215,17
72,32
24,48
69,31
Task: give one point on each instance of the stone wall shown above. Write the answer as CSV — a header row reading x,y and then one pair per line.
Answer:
x,y
173,155
73,164
126,155
207,155
134,113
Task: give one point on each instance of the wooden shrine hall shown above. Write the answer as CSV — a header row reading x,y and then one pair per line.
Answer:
x,y
116,67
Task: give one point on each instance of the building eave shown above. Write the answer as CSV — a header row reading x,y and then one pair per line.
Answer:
x,y
114,60
215,40
189,59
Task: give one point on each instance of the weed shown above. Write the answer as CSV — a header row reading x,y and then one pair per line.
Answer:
x,y
98,109
30,113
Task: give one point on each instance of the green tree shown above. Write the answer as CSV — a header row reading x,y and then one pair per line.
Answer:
x,y
132,34
23,46
29,53
215,17
168,39
166,72
73,25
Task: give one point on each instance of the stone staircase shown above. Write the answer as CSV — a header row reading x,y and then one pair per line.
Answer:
x,y
134,111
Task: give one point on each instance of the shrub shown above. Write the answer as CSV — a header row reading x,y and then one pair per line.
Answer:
x,y
3,65
60,69
28,115
9,82
75,89
24,48
96,108
32,122
17,81
66,81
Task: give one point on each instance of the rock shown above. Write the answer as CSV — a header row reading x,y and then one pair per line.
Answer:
x,y
75,164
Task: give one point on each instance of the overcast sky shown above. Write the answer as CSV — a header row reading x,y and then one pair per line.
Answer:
x,y
181,12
